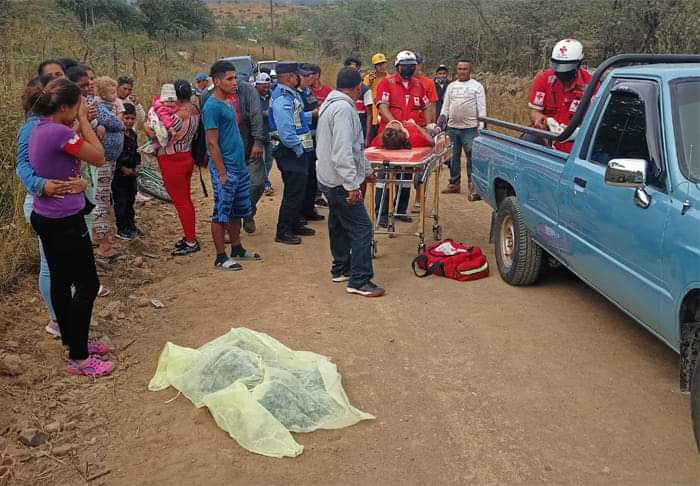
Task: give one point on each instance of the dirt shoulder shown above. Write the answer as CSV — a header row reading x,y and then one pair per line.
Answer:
x,y
471,383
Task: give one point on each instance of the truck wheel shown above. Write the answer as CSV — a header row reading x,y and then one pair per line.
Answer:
x,y
518,257
695,402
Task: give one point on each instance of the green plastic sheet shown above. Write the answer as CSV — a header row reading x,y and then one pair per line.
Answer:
x,y
258,390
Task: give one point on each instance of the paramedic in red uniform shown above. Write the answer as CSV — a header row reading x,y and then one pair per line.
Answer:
x,y
557,92
401,97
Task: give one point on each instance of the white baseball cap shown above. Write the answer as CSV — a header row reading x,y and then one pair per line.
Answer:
x,y
263,78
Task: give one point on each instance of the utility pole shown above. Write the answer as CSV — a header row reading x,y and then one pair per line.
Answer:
x,y
272,31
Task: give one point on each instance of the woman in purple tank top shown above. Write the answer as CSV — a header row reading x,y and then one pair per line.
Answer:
x,y
55,151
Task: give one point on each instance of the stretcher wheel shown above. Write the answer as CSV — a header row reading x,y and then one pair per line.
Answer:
x,y
437,232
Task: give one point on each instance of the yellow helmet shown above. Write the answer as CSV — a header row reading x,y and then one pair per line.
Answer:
x,y
378,58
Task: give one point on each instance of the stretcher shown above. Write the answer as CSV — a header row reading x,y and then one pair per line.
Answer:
x,y
397,169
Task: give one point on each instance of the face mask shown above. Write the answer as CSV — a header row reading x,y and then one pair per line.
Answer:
x,y
567,76
407,72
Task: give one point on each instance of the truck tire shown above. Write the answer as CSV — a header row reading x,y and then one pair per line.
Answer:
x,y
518,257
695,402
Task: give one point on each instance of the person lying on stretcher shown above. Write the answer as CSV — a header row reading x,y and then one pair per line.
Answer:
x,y
396,136
406,135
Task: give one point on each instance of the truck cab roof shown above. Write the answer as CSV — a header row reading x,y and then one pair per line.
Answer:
x,y
664,71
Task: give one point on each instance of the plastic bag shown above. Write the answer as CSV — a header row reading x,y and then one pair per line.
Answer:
x,y
258,390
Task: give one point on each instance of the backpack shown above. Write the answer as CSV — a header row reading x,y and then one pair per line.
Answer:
x,y
199,142
451,259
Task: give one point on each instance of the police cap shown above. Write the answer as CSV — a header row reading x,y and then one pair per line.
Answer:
x,y
285,67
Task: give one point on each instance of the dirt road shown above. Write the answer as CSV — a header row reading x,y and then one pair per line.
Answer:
x,y
471,383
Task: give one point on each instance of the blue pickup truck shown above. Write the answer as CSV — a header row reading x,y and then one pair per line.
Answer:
x,y
622,211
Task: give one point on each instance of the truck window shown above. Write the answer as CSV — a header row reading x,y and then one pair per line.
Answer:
x,y
622,130
686,121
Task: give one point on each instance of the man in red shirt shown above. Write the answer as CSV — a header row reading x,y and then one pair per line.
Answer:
x,y
320,91
557,92
430,91
401,96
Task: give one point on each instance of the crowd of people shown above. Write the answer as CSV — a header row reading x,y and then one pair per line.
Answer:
x,y
78,157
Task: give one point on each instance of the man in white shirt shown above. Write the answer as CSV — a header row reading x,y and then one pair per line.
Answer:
x,y
465,100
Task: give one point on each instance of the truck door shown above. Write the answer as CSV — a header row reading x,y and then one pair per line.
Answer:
x,y
615,244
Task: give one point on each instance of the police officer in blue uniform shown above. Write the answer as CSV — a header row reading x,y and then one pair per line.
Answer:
x,y
292,144
311,107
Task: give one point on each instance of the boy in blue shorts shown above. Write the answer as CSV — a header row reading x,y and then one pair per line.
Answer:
x,y
229,175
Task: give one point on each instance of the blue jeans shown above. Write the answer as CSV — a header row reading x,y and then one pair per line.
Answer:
x,y
350,233
462,139
44,274
268,164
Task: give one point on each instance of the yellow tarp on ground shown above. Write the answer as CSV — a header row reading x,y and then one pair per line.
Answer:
x,y
258,390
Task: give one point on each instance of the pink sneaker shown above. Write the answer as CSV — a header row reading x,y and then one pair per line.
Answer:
x,y
91,367
98,348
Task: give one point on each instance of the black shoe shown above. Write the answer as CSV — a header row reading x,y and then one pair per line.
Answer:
x,y
315,217
384,223
125,235
304,231
302,222
249,225
405,219
288,239
186,249
180,243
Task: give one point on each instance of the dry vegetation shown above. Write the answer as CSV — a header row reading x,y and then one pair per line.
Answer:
x,y
24,42
253,12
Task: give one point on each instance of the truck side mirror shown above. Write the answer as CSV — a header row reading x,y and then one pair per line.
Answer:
x,y
629,173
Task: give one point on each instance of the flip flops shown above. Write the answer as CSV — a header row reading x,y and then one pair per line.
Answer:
x,y
90,367
248,256
229,265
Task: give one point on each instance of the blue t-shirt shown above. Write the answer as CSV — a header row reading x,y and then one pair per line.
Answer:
x,y
221,116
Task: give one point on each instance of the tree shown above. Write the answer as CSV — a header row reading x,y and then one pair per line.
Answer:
x,y
91,12
177,18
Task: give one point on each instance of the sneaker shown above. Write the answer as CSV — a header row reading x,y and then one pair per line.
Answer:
x,y
186,249
343,277
321,202
53,329
367,290
124,235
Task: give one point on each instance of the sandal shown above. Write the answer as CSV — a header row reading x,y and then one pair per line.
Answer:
x,y
248,256
91,367
53,329
229,265
98,348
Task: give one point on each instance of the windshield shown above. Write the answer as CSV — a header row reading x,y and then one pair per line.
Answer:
x,y
686,121
243,65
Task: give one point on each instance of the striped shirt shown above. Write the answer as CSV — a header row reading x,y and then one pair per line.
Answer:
x,y
185,130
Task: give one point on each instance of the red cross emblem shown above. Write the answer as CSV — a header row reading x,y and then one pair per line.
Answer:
x,y
563,49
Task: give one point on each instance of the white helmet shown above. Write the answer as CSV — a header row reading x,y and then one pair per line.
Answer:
x,y
405,57
567,55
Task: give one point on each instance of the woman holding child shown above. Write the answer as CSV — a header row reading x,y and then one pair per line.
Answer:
x,y
179,118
